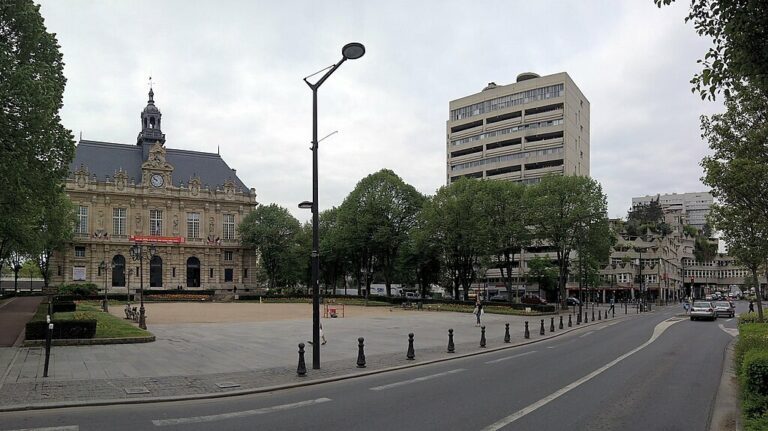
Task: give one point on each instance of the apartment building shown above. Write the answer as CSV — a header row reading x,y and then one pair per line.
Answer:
x,y
520,132
695,206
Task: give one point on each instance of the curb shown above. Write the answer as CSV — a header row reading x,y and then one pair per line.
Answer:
x,y
262,389
726,412
89,341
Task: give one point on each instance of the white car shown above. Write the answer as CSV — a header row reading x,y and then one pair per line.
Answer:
x,y
703,310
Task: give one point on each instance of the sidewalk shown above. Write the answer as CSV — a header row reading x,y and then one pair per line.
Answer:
x,y
207,360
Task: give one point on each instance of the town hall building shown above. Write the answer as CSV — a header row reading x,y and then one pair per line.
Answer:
x,y
187,204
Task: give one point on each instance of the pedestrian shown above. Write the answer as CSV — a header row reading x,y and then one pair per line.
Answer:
x,y
751,306
478,311
322,335
685,306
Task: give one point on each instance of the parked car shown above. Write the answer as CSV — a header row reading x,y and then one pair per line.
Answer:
x,y
724,308
533,299
703,310
499,297
573,301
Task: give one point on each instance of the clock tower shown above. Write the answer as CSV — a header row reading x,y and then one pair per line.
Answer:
x,y
151,132
156,171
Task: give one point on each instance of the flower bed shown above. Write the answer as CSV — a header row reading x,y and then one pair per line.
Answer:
x,y
178,297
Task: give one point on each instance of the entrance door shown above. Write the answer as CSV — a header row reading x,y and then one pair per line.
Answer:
x,y
156,272
118,271
193,272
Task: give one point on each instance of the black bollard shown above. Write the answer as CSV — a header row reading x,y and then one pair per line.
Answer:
x,y
613,312
506,333
48,336
541,332
561,323
606,314
482,336
625,308
599,315
527,333
451,347
411,355
302,368
586,317
578,318
593,313
552,325
570,322
360,353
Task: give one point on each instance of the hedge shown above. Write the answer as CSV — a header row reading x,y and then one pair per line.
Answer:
x,y
63,306
61,329
751,360
78,290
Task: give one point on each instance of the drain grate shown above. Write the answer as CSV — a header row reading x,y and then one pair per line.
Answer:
x,y
136,390
227,385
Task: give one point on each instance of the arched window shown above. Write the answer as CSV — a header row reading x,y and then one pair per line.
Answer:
x,y
118,271
193,272
156,272
151,122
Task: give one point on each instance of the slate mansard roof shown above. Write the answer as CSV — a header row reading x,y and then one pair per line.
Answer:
x,y
106,158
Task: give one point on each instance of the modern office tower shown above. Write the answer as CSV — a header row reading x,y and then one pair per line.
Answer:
x,y
519,132
695,206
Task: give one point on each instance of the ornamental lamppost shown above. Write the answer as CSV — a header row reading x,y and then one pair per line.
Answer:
x,y
104,266
351,51
129,273
141,252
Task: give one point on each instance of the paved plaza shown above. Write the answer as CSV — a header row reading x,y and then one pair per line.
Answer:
x,y
255,346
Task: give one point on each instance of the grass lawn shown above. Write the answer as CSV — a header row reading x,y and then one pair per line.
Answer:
x,y
107,325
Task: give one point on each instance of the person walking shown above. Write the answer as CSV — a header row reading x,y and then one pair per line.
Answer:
x,y
751,306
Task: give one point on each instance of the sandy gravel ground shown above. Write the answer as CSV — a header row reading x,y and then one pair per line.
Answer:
x,y
224,312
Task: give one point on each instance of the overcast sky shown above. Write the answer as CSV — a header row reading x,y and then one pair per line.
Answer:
x,y
228,75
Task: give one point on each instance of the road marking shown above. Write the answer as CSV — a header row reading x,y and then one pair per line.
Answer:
x,y
245,413
588,333
729,320
65,428
551,347
510,357
657,331
416,380
730,331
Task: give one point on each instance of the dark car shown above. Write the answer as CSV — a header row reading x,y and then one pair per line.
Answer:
x,y
532,299
573,301
499,297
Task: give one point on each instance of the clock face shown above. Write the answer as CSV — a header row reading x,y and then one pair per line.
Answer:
x,y
157,180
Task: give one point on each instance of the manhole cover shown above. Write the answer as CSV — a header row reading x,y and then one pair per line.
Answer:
x,y
136,390
225,385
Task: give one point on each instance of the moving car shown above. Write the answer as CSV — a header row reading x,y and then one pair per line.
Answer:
x,y
724,308
703,310
573,301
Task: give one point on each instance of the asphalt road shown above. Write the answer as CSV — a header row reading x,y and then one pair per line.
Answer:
x,y
653,372
14,315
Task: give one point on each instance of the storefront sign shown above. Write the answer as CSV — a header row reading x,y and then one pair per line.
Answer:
x,y
157,239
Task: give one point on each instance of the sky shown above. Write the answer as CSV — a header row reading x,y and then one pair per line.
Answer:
x,y
227,76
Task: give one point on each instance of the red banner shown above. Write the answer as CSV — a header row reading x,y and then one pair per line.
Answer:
x,y
157,239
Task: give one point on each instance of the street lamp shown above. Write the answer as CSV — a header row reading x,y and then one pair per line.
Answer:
x,y
350,51
140,252
128,286
104,266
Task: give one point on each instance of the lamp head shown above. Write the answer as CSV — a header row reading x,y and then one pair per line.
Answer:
x,y
353,51
306,205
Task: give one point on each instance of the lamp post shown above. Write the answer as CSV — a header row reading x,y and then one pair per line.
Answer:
x,y
140,252
350,51
104,266
128,286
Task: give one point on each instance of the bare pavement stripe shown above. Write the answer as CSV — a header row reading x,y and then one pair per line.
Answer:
x,y
657,331
64,428
233,415
416,380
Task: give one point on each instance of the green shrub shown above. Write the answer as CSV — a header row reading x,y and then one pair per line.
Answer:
x,y
80,289
752,336
61,329
747,318
754,384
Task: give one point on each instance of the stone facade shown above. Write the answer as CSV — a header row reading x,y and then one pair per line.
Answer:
x,y
187,204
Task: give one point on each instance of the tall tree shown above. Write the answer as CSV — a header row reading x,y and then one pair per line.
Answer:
x,y
376,219
738,29
276,235
565,210
508,214
35,148
53,229
455,220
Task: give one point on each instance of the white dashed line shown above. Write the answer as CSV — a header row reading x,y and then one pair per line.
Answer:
x,y
416,380
588,333
510,357
246,413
